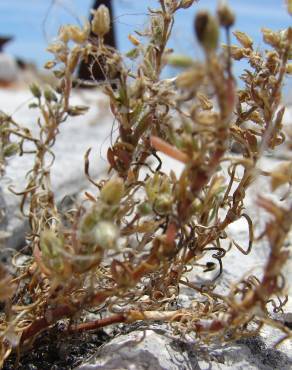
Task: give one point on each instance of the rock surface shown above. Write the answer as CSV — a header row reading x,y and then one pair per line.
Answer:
x,y
155,349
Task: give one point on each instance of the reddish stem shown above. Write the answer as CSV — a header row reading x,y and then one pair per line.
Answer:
x,y
93,325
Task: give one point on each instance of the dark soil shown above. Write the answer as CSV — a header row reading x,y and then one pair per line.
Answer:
x,y
57,350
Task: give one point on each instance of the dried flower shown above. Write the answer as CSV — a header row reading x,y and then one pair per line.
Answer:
x,y
244,39
281,175
271,37
73,33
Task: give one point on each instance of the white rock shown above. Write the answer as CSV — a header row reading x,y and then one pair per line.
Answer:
x,y
8,68
155,349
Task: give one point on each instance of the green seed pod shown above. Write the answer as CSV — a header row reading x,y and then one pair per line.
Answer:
x,y
87,226
100,24
50,95
35,90
180,61
113,191
207,31
10,149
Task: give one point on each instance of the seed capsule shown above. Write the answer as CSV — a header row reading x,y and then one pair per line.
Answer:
x,y
225,15
100,24
206,28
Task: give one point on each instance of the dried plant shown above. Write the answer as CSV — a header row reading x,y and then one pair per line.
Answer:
x,y
127,251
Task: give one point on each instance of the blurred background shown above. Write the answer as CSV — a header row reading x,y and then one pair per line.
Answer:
x,y
35,23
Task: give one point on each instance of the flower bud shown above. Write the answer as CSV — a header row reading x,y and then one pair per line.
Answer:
x,y
87,226
163,203
225,15
35,90
101,21
207,32
51,246
50,95
106,235
113,191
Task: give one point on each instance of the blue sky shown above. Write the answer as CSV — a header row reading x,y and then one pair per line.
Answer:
x,y
36,22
